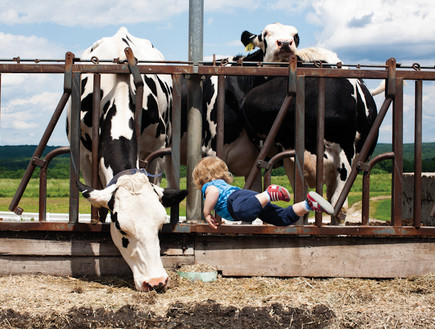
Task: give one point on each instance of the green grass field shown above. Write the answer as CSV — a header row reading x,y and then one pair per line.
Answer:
x,y
58,192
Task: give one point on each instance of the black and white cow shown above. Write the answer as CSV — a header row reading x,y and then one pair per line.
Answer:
x,y
350,110
136,205
277,43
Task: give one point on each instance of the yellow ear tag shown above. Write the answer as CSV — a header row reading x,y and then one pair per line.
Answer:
x,y
249,47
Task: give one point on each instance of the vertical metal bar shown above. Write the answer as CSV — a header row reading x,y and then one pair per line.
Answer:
x,y
299,139
320,143
74,148
196,26
396,200
43,193
138,115
174,177
95,137
0,102
366,198
418,151
220,116
194,106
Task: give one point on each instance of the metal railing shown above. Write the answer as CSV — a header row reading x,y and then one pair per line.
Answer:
x,y
394,74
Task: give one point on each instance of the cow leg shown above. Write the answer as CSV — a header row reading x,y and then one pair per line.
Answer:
x,y
155,169
338,170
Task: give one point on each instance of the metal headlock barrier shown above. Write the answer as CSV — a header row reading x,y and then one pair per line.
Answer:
x,y
393,73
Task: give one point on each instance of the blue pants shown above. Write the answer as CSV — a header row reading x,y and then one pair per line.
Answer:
x,y
244,206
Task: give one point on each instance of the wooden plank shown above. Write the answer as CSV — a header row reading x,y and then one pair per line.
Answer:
x,y
77,266
317,257
40,247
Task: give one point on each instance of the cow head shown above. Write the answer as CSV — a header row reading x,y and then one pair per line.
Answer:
x,y
137,216
277,41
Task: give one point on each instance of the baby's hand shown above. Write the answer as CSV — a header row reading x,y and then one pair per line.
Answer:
x,y
212,221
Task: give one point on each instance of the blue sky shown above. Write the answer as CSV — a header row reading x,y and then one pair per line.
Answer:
x,y
366,32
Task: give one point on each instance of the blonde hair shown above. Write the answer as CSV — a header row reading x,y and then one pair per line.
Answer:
x,y
208,169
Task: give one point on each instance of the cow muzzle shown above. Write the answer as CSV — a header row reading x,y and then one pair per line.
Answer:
x,y
156,284
284,46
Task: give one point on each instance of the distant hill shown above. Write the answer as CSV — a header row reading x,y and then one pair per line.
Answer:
x,y
14,159
428,150
428,156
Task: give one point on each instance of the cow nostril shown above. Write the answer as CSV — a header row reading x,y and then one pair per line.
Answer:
x,y
158,285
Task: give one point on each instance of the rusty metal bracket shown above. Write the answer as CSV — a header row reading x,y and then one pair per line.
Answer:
x,y
67,83
38,162
390,90
364,166
292,75
132,66
263,164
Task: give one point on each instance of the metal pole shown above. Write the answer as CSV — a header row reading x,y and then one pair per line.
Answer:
x,y
95,137
174,174
194,106
74,148
396,200
299,140
418,151
320,143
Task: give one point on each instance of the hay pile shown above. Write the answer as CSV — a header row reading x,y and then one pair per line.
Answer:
x,y
41,301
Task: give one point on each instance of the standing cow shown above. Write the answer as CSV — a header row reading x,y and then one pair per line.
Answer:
x,y
136,205
345,132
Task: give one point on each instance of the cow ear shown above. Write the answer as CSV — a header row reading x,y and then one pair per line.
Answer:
x,y
247,40
172,197
98,198
296,39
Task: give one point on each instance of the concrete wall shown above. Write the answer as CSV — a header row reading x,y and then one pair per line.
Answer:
x,y
427,197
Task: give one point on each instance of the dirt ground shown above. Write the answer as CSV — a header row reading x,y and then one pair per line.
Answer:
x,y
41,301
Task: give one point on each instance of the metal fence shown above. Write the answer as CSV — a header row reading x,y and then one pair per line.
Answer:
x,y
393,74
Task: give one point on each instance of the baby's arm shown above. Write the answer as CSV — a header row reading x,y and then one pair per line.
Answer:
x,y
211,197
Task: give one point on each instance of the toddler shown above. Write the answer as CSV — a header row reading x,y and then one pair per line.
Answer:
x,y
211,175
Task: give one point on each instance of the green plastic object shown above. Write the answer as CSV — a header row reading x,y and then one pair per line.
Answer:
x,y
199,276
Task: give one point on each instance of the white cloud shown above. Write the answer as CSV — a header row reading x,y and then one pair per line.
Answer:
x,y
89,13
399,27
28,47
230,5
289,6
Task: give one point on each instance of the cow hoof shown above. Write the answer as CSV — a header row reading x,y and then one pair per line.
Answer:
x,y
95,221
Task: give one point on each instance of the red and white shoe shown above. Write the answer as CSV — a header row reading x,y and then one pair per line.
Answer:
x,y
278,193
318,203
